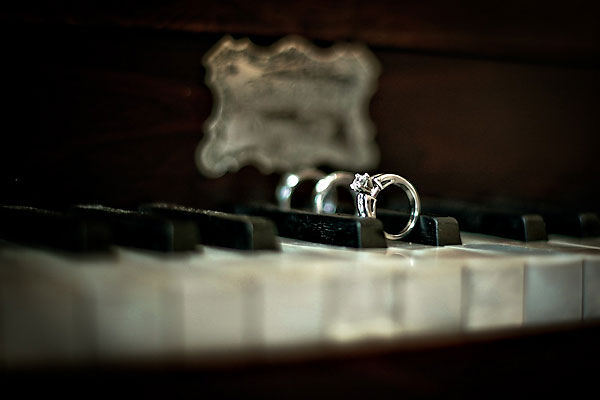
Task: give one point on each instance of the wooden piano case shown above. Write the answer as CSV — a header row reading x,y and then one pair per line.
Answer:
x,y
106,104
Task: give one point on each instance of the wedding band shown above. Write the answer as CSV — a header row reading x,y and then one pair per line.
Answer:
x,y
368,188
322,200
290,181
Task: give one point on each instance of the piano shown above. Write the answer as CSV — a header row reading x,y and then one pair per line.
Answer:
x,y
490,112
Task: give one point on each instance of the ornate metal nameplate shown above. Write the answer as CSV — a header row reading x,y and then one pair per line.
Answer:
x,y
288,106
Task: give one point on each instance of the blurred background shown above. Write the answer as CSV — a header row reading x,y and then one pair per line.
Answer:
x,y
106,102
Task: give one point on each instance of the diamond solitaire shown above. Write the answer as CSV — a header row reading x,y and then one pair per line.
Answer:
x,y
362,183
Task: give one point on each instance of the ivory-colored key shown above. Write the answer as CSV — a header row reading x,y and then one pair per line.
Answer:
x,y
591,288
44,319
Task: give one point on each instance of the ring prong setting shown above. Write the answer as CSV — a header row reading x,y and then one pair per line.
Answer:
x,y
362,183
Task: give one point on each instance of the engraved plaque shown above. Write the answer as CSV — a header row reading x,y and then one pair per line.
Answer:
x,y
288,106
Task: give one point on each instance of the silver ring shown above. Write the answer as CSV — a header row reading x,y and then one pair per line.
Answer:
x,y
290,181
323,203
368,187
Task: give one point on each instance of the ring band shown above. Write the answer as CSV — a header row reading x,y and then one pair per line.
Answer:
x,y
323,189
290,181
369,187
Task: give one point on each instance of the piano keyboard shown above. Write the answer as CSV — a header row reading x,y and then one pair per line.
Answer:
x,y
135,305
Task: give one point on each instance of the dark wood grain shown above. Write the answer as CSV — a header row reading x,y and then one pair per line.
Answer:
x,y
522,29
538,362
106,104
111,112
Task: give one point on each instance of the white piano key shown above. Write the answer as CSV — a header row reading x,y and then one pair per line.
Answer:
x,y
195,310
553,279
293,306
431,291
236,299
301,302
250,301
426,284
234,305
470,238
299,297
127,310
553,289
37,321
589,242
364,293
428,289
214,314
591,288
150,305
293,297
43,318
588,250
363,299
493,293
216,296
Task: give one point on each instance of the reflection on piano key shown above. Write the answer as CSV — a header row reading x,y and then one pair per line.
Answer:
x,y
591,242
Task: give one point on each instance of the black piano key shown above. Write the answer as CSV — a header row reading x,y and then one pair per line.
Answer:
x,y
490,220
222,229
560,219
148,232
337,230
576,224
50,229
429,230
